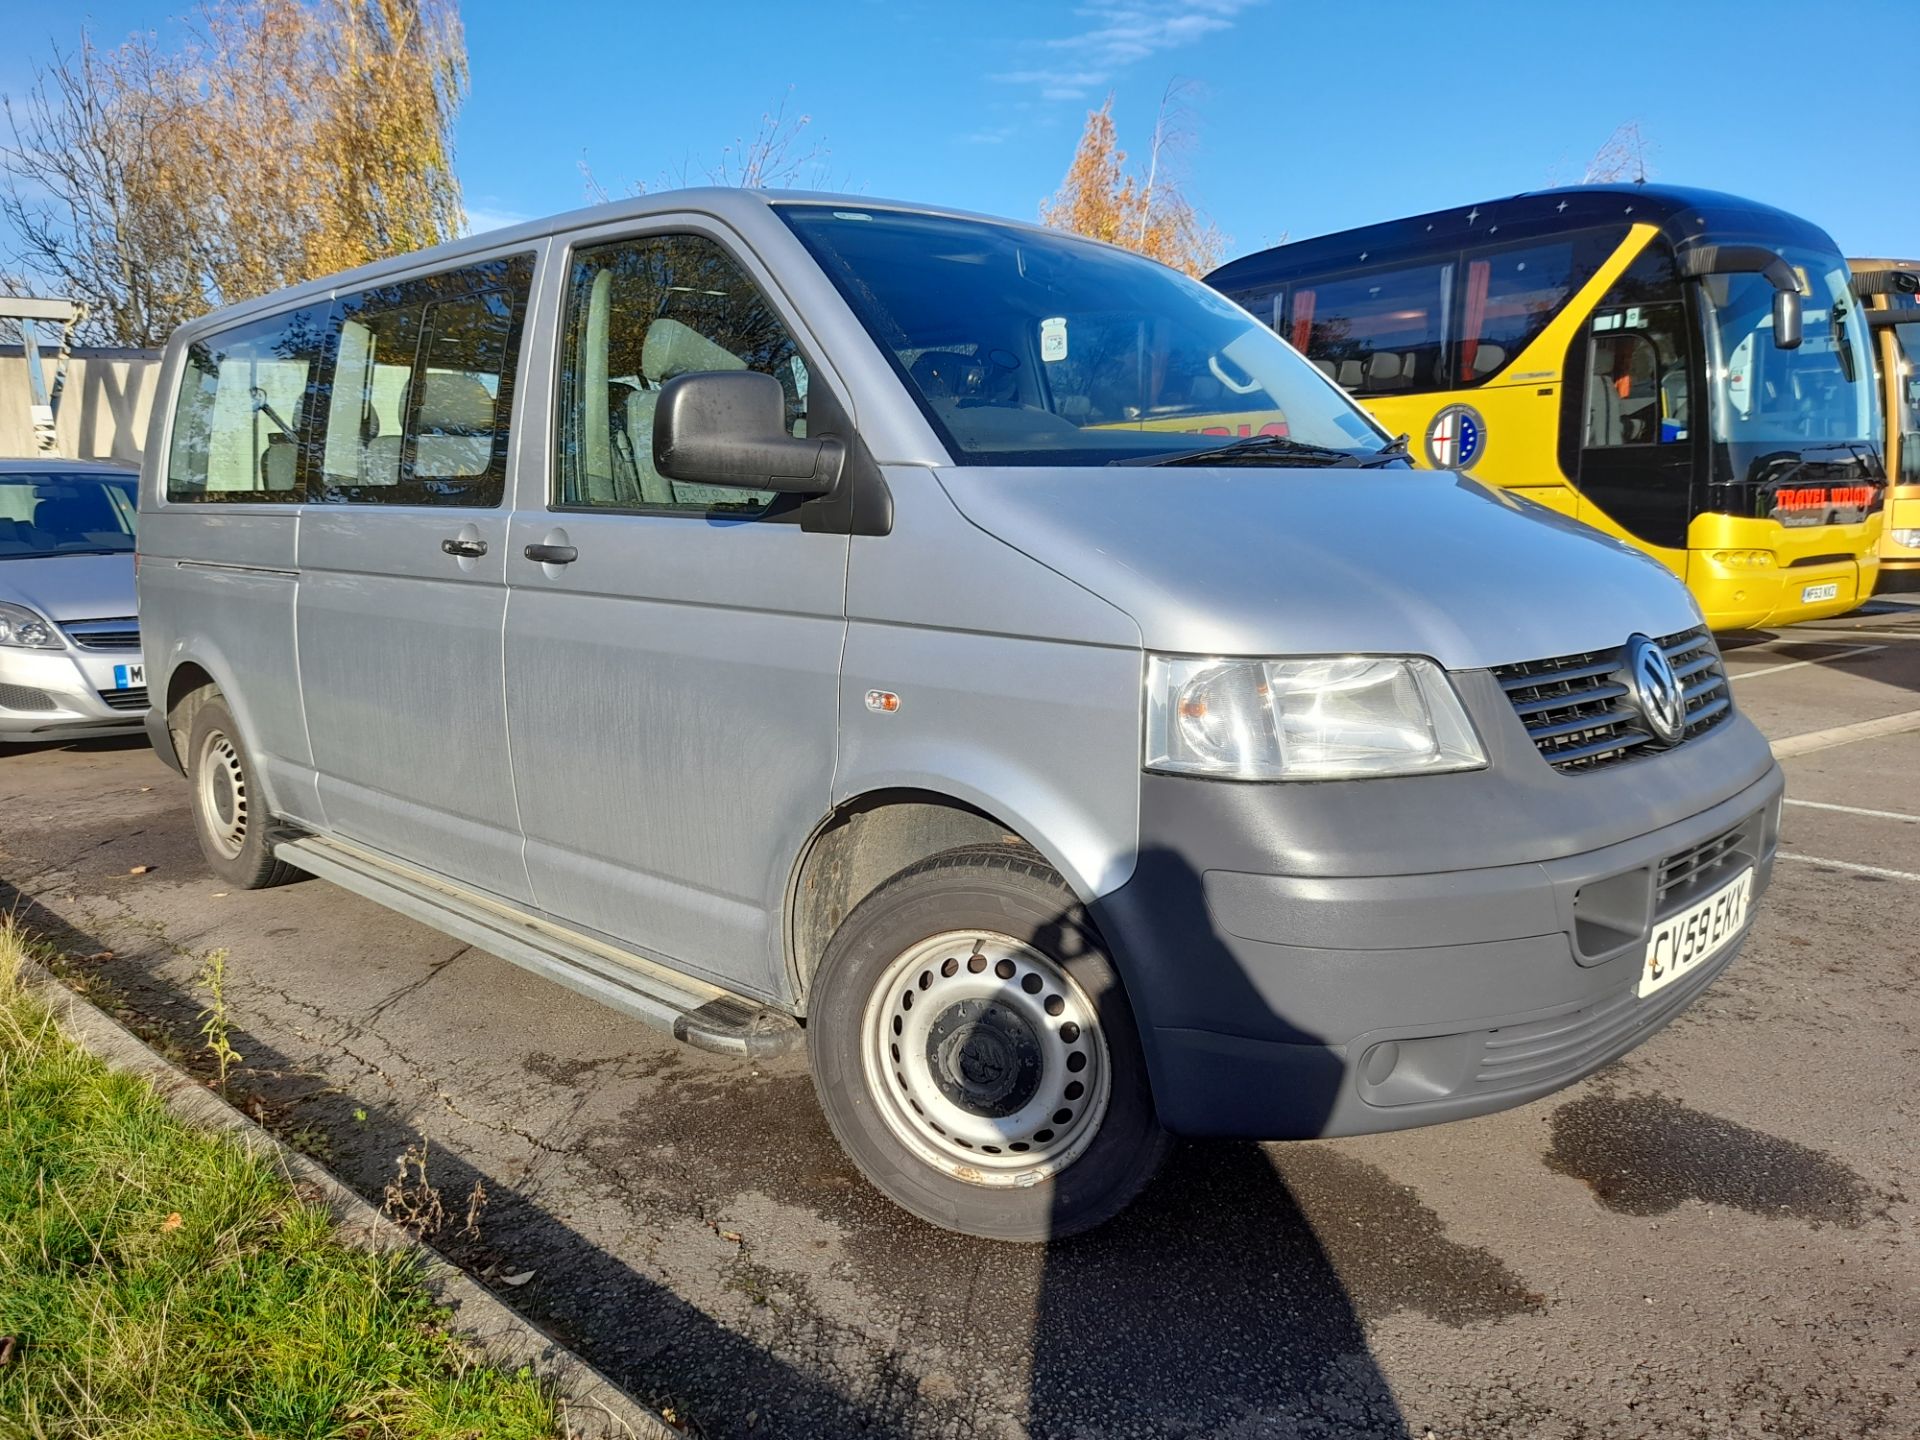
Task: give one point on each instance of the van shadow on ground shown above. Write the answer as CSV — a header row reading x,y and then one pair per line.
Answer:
x,y
1231,1299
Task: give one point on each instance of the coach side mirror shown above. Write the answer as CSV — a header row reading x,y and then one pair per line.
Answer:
x,y
1786,319
729,427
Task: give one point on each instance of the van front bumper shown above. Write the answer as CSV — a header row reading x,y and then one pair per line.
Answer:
x,y
64,694
1292,1005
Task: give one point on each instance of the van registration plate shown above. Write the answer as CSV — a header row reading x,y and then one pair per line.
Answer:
x,y
1680,944
1813,594
129,677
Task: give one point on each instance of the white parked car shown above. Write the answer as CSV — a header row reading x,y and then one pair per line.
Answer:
x,y
69,637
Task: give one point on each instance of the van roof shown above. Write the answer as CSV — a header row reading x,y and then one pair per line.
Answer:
x,y
744,208
1681,213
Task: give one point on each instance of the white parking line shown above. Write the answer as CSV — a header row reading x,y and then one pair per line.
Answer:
x,y
1817,660
1849,865
1813,740
1849,634
1856,810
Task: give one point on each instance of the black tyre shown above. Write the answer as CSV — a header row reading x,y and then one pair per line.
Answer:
x,y
975,1054
229,815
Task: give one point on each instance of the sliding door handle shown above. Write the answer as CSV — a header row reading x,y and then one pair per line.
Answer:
x,y
552,554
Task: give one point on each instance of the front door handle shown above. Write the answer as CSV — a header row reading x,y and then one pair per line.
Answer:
x,y
465,549
552,554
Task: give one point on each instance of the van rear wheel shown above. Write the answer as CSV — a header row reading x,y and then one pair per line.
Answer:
x,y
975,1054
229,814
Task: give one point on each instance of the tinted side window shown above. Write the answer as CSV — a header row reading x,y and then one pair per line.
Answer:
x,y
1511,295
237,423
1378,334
417,405
639,313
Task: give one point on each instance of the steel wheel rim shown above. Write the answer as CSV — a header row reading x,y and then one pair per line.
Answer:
x,y
986,1059
223,793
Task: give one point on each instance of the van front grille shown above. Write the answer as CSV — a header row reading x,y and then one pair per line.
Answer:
x,y
1582,716
1697,869
131,699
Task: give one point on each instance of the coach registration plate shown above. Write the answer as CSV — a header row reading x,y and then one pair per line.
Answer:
x,y
1814,594
1680,944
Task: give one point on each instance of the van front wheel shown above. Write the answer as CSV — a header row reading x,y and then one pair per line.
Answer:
x,y
975,1054
229,813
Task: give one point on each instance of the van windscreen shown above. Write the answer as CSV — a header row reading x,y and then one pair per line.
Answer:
x,y
1024,347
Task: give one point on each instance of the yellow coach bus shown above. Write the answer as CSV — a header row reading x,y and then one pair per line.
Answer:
x,y
1890,290
1686,370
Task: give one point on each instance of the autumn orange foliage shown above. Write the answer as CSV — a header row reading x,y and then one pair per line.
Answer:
x,y
1100,198
281,141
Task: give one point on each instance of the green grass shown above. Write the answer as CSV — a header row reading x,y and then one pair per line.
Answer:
x,y
160,1281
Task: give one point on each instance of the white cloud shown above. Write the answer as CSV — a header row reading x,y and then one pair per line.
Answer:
x,y
481,218
1118,35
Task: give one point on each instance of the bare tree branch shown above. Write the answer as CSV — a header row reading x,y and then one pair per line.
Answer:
x,y
1622,157
780,154
281,140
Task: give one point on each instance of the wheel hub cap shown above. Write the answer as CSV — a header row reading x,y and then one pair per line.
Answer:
x,y
986,1058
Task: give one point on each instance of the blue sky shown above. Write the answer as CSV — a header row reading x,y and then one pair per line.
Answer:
x,y
1304,118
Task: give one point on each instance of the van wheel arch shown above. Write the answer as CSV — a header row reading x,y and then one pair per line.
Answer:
x,y
865,842
188,688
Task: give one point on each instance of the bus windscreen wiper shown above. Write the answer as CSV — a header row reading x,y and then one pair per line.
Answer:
x,y
1254,447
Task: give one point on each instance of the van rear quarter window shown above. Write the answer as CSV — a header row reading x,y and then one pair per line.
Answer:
x,y
236,427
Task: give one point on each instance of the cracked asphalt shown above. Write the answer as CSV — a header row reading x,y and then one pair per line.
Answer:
x,y
1711,1238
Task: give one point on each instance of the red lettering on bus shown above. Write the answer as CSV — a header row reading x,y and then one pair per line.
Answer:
x,y
1854,497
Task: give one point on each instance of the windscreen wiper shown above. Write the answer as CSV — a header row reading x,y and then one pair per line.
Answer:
x,y
1394,449
1253,447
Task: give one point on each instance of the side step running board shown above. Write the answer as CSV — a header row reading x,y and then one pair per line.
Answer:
x,y
704,1016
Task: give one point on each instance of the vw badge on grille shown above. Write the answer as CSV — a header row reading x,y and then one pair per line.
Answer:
x,y
1656,689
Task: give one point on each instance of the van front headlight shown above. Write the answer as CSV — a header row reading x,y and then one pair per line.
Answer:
x,y
1344,717
21,627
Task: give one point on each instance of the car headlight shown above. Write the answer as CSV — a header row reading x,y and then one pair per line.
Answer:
x,y
20,626
1908,538
1337,718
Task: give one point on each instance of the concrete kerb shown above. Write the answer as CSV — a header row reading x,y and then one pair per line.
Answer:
x,y
592,1407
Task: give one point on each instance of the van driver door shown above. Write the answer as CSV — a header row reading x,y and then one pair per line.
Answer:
x,y
672,650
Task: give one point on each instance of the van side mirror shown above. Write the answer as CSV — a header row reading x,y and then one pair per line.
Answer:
x,y
729,427
1786,320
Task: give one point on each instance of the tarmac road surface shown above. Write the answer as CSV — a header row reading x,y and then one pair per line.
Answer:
x,y
1713,1237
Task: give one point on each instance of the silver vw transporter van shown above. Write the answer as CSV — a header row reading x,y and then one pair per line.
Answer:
x,y
984,656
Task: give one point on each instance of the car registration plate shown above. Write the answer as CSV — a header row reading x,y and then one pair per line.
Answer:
x,y
1813,594
129,677
1681,943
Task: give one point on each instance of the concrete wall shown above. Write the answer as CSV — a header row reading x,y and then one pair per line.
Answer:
x,y
103,410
